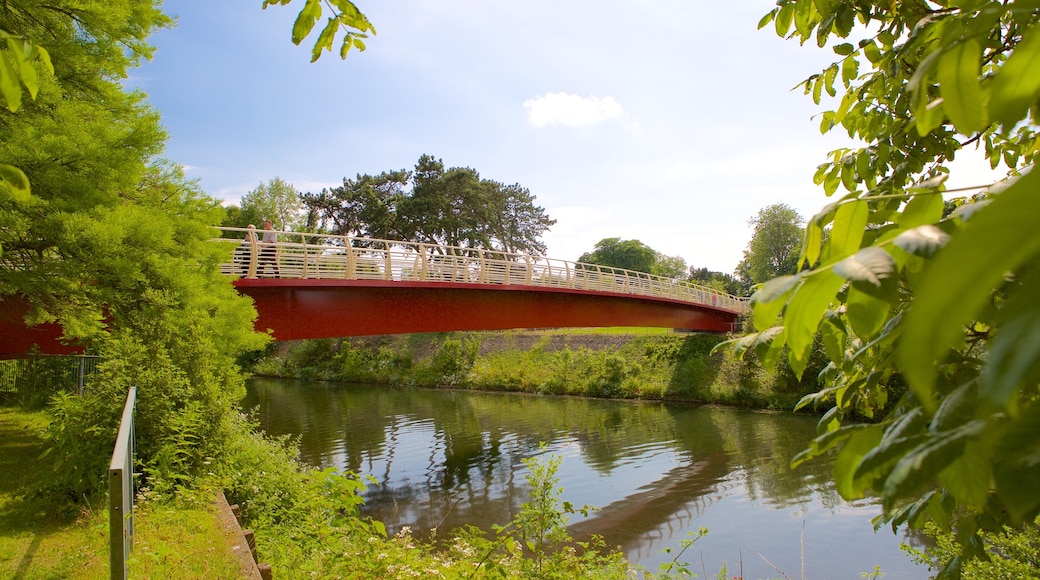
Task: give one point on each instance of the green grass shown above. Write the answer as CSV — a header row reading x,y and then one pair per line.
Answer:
x,y
178,540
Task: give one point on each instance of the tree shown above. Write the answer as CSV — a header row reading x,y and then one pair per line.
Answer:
x,y
365,206
275,200
636,256
773,249
626,254
717,280
114,245
930,320
445,206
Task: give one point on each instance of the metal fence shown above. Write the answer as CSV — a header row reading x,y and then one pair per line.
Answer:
x,y
37,377
121,492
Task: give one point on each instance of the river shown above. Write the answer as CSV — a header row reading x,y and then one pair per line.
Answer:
x,y
656,471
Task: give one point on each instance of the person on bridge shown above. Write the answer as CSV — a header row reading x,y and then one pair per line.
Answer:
x,y
243,251
268,251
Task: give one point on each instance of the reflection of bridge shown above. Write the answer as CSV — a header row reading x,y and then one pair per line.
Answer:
x,y
317,286
649,518
313,286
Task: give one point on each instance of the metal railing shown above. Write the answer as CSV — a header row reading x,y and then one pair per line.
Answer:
x,y
121,492
39,376
323,256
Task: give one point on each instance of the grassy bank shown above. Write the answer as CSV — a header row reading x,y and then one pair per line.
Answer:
x,y
174,539
628,366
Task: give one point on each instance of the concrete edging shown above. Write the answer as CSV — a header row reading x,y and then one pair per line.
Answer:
x,y
243,547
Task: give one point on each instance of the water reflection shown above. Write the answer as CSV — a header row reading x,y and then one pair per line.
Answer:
x,y
444,459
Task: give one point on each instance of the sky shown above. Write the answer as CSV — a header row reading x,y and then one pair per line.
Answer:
x,y
668,121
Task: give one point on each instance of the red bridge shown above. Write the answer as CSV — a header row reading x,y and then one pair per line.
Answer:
x,y
319,286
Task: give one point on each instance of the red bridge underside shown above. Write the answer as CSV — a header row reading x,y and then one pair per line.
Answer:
x,y
301,309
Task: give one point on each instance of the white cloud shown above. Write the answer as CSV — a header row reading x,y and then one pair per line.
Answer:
x,y
571,110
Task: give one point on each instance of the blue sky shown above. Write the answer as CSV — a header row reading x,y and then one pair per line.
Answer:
x,y
667,121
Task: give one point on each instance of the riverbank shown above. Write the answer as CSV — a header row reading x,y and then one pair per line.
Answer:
x,y
671,367
174,539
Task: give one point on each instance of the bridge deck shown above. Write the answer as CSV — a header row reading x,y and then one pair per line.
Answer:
x,y
313,286
323,257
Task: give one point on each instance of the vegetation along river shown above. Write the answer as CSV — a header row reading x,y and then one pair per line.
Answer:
x,y
657,471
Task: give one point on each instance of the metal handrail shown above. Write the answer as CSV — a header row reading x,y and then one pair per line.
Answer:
x,y
121,492
306,255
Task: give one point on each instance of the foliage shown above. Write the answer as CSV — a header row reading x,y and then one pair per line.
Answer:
x,y
365,206
452,206
114,245
636,256
774,245
449,365
1012,553
275,200
671,367
902,293
720,281
345,15
683,568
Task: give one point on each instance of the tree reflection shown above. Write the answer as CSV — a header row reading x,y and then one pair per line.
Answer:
x,y
444,459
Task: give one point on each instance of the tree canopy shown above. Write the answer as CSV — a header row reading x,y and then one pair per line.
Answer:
x,y
275,200
930,320
636,256
445,206
114,243
774,246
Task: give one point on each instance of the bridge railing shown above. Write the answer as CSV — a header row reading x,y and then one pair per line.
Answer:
x,y
323,256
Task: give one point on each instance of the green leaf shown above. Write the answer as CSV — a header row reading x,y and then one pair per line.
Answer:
x,y
9,85
924,463
1014,360
871,51
325,39
305,20
830,183
1017,465
970,476
878,461
957,408
803,13
924,208
784,19
767,18
871,266
834,337
861,442
844,49
922,241
770,299
958,282
847,232
866,313
16,181
769,345
849,71
830,76
812,243
806,308
1017,84
829,440
958,75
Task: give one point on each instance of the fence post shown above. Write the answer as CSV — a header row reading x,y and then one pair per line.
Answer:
x,y
121,492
